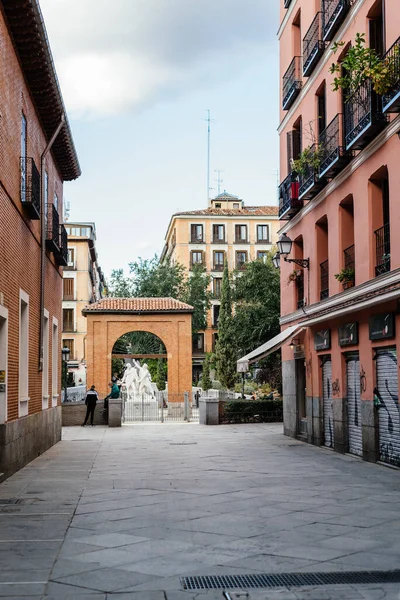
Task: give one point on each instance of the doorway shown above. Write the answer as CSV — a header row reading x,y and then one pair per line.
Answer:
x,y
3,369
301,397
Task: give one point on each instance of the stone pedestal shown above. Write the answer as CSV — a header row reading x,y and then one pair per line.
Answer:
x,y
115,412
209,411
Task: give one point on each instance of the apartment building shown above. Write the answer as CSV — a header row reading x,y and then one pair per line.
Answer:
x,y
339,219
83,284
226,231
37,155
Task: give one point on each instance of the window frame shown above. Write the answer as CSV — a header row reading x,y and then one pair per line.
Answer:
x,y
262,240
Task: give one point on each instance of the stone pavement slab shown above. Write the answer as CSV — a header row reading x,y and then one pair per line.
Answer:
x,y
125,513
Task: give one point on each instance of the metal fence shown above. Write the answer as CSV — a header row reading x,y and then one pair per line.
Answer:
x,y
162,407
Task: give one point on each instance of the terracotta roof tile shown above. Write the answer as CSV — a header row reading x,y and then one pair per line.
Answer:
x,y
137,305
270,211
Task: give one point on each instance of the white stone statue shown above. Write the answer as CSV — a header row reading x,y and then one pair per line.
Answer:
x,y
145,383
130,380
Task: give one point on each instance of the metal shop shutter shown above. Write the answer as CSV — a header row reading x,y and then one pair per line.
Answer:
x,y
354,405
387,391
327,400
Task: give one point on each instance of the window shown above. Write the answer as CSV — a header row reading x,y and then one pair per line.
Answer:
x,y
70,345
219,260
198,343
23,353
24,141
55,347
241,233
68,319
262,233
241,260
217,284
293,143
218,233
45,373
196,233
216,309
71,257
55,202
68,288
218,205
262,256
196,258
236,205
321,101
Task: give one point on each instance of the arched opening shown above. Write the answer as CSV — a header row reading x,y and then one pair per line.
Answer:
x,y
143,347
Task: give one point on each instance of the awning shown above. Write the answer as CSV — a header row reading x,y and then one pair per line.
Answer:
x,y
267,348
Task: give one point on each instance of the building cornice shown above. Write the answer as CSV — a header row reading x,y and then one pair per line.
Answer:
x,y
354,298
391,130
321,65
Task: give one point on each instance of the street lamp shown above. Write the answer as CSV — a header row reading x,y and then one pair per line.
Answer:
x,y
65,354
284,249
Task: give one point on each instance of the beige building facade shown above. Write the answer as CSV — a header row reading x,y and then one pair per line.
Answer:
x,y
83,284
226,231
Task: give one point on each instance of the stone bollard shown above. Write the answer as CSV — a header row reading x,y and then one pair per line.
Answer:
x,y
209,411
115,412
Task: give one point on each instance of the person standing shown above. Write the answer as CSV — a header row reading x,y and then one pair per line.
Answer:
x,y
90,401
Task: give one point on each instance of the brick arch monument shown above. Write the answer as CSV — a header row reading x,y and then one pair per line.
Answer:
x,y
168,319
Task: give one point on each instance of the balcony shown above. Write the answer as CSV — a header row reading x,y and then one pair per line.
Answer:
x,y
334,157
313,46
382,244
333,14
289,203
62,255
391,100
218,267
324,280
196,239
363,117
310,182
292,83
30,187
53,229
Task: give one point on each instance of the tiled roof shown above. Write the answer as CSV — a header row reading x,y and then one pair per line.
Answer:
x,y
138,305
250,211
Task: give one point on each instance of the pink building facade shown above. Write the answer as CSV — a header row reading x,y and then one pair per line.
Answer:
x,y
340,373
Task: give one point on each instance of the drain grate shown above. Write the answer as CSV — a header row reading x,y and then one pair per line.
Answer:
x,y
273,580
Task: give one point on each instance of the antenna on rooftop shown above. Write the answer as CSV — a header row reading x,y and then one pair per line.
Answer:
x,y
219,179
67,210
208,121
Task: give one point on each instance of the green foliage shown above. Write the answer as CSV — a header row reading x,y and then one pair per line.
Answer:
x,y
257,296
226,349
117,367
360,64
120,286
161,371
245,411
206,382
196,293
345,275
309,160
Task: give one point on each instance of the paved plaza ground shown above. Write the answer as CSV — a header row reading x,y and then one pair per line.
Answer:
x,y
123,513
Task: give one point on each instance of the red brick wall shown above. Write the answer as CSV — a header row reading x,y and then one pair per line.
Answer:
x,y
19,236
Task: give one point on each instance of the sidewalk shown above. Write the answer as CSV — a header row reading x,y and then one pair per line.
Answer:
x,y
123,513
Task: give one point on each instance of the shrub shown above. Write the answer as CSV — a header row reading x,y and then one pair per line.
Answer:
x,y
258,411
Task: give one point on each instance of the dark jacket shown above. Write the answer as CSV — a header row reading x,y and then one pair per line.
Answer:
x,y
91,398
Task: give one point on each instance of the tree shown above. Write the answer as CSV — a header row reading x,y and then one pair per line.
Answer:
x,y
225,350
197,294
161,374
206,382
256,319
120,286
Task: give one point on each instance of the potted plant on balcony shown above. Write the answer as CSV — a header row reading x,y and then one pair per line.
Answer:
x,y
309,160
346,277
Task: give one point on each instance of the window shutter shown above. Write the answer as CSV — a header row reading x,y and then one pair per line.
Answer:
x,y
289,146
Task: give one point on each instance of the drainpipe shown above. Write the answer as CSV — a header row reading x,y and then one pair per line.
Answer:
x,y
43,236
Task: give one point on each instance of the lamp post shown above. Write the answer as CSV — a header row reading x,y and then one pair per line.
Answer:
x,y
65,354
284,249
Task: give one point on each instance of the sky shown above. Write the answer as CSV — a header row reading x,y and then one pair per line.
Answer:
x,y
137,77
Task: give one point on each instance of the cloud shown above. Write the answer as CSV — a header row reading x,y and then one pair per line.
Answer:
x,y
120,56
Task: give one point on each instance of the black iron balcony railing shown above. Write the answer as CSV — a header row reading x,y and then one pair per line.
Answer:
x,y
333,15
300,290
197,238
310,181
61,255
382,240
218,267
30,187
289,203
52,229
363,117
292,83
334,157
391,100
349,258
324,270
313,45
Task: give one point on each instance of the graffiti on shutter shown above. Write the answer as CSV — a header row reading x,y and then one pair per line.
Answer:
x,y
387,395
327,399
354,405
